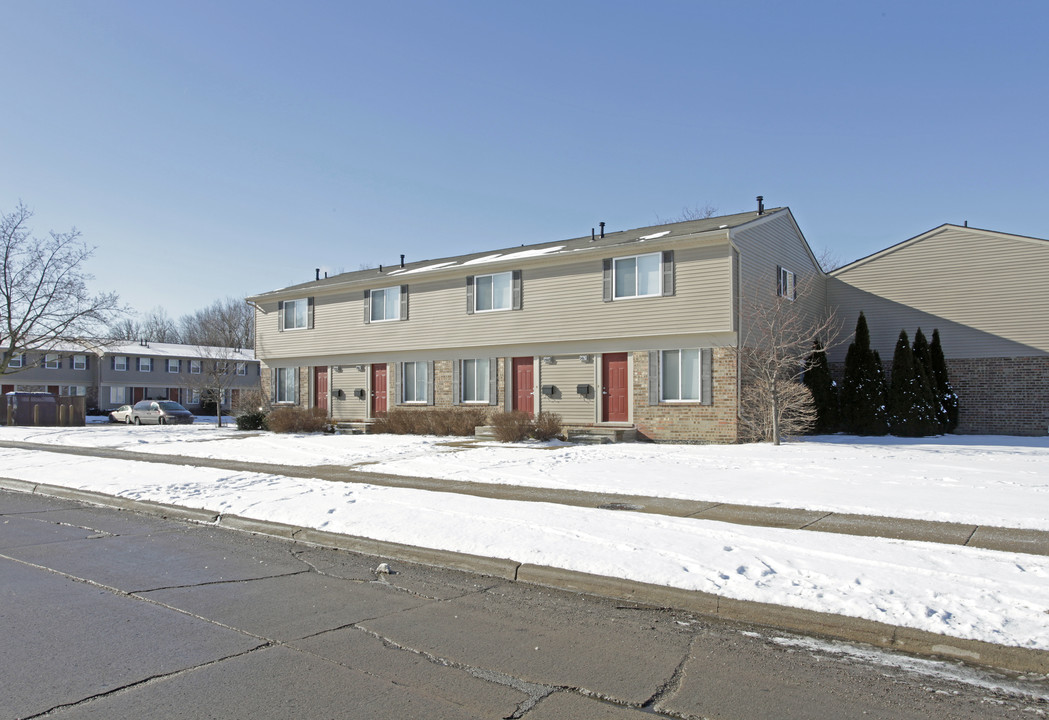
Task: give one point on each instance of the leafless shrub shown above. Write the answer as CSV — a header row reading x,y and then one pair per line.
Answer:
x,y
297,420
547,426
512,427
442,422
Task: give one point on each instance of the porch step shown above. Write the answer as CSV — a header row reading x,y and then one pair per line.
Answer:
x,y
601,435
362,427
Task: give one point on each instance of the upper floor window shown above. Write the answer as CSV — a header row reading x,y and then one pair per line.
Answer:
x,y
194,367
680,374
79,363
493,292
638,276
174,365
385,304
51,361
16,360
242,368
296,314
145,364
120,363
415,382
786,283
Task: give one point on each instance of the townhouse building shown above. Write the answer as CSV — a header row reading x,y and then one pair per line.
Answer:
x,y
115,374
632,329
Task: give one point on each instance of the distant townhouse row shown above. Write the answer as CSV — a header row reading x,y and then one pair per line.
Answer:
x,y
124,373
625,330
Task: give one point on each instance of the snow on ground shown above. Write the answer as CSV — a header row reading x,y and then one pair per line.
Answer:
x,y
987,480
957,591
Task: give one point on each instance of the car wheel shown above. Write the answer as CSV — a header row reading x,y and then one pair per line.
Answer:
x,y
161,421
138,420
127,419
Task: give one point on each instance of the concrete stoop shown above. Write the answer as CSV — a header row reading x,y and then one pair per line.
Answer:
x,y
597,435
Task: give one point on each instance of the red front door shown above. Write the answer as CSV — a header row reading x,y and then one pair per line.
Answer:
x,y
320,387
378,389
523,372
137,394
614,388
173,394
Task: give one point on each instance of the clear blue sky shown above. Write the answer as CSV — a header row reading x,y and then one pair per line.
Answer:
x,y
227,148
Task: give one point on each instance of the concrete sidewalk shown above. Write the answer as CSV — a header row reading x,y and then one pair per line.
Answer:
x,y
785,618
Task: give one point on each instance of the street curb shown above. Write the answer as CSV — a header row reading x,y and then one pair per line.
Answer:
x,y
839,627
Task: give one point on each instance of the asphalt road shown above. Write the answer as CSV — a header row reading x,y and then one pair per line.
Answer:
x,y
111,615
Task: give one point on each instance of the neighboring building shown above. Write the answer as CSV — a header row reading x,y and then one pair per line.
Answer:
x,y
124,373
632,329
986,292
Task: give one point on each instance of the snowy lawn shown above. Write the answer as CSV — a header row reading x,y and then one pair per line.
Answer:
x,y
956,591
987,480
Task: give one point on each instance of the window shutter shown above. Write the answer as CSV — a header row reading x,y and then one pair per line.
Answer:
x,y
87,362
779,281
653,377
493,381
517,290
606,279
367,306
60,362
273,385
309,312
112,362
280,316
429,382
668,273
706,372
794,286
456,382
295,382
469,294
398,380
404,302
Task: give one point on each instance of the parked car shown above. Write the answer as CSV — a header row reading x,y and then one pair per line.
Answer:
x,y
161,412
122,414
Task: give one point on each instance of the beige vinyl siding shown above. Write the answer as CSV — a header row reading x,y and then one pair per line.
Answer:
x,y
987,293
561,302
348,379
566,372
765,245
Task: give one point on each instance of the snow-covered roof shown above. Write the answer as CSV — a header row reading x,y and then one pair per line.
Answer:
x,y
178,350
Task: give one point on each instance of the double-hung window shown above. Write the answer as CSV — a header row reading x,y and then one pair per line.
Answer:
x,y
242,368
295,314
680,375
638,276
386,304
145,364
116,395
120,363
79,362
415,382
194,367
174,365
786,283
51,361
474,380
493,292
285,386
16,360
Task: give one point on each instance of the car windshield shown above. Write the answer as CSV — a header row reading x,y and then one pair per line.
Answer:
x,y
168,405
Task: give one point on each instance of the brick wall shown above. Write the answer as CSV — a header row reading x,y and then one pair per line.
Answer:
x,y
1002,396
689,422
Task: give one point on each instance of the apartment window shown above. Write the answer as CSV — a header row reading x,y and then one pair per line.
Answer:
x,y
296,314
80,390
242,368
493,292
174,365
16,360
415,382
680,375
120,363
286,385
79,363
117,396
637,276
51,361
221,367
194,367
194,397
786,283
145,364
386,304
474,380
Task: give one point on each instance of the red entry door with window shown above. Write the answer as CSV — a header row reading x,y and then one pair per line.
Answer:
x,y
614,388
320,387
378,389
523,372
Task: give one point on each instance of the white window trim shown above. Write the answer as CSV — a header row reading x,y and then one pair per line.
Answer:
x,y
293,373
404,386
52,361
117,363
788,284
477,295
659,276
397,305
113,392
242,368
699,378
17,360
482,384
82,362
293,303
142,362
195,364
177,365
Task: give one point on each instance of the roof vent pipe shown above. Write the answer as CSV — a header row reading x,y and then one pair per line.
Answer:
x,y
318,274
592,235
402,261
761,204
602,224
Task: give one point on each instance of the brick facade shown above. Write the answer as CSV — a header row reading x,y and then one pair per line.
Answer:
x,y
689,422
1002,396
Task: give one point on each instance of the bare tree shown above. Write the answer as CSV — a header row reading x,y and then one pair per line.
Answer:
x,y
225,323
44,298
774,403
690,213
219,369
828,260
158,327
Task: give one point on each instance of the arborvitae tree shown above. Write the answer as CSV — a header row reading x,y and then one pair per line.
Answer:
x,y
863,387
923,369
824,390
910,413
945,395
